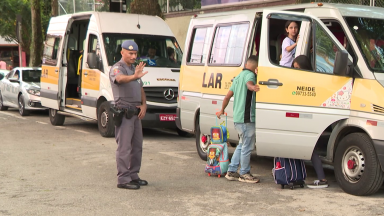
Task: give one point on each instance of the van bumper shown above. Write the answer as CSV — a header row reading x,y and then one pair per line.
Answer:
x,y
152,118
178,120
379,147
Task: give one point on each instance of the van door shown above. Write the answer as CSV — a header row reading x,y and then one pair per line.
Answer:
x,y
49,93
90,77
226,61
294,106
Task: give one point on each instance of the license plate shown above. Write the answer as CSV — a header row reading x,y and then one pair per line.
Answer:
x,y
167,117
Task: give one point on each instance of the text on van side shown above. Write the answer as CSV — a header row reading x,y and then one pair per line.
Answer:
x,y
212,82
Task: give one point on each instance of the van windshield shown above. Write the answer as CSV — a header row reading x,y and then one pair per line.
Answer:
x,y
369,35
155,51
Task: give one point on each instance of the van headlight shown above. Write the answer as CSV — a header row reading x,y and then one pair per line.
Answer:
x,y
34,92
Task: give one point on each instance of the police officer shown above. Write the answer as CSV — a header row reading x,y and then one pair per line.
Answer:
x,y
128,93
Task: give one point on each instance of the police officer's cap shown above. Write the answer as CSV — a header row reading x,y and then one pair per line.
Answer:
x,y
129,45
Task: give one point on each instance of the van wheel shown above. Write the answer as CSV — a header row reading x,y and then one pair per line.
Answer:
x,y
357,168
105,121
200,145
55,118
2,107
183,133
22,110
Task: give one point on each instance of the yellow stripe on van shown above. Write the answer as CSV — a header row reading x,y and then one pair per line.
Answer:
x,y
209,80
300,87
91,80
50,74
367,96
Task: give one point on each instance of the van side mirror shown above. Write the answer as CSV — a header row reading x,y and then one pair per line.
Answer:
x,y
92,60
341,63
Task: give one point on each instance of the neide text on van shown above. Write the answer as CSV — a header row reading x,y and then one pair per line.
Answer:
x,y
305,91
213,82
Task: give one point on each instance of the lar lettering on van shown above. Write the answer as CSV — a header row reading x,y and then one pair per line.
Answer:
x,y
213,82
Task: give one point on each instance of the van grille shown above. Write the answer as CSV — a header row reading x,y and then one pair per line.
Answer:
x,y
157,95
377,108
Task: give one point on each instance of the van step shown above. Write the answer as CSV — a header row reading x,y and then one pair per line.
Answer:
x,y
76,116
73,101
73,107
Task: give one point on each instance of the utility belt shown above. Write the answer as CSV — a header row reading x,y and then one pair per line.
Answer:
x,y
119,113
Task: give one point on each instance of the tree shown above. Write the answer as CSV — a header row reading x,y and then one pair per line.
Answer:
x,y
148,7
55,8
104,6
37,39
8,12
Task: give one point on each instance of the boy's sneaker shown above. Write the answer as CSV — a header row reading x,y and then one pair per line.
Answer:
x,y
248,178
232,176
318,184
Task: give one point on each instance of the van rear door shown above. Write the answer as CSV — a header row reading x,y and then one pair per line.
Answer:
x,y
49,93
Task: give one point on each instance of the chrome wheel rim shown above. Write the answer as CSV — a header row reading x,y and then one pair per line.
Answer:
x,y
353,164
203,146
104,119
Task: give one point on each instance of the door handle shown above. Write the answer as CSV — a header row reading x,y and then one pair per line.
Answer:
x,y
271,82
56,71
85,73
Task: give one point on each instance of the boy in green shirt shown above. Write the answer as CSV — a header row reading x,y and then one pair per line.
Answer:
x,y
243,89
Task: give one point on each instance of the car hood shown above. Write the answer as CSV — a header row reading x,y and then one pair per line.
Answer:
x,y
32,85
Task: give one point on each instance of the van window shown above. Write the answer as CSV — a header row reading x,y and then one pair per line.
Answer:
x,y
155,51
51,48
320,50
369,35
94,47
229,43
325,51
199,45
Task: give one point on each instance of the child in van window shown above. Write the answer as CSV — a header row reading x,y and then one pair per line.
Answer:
x,y
302,62
288,48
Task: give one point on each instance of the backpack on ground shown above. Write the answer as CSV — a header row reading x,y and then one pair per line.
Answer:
x,y
289,172
217,152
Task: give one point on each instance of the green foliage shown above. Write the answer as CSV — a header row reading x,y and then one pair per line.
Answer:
x,y
8,12
105,6
186,4
148,7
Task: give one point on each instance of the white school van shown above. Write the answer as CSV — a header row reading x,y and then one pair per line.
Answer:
x,y
335,109
79,52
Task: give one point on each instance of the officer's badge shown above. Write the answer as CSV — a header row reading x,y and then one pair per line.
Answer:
x,y
130,47
116,71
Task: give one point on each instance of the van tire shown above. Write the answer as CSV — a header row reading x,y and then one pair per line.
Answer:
x,y
183,133
2,107
200,151
21,103
105,121
55,118
356,150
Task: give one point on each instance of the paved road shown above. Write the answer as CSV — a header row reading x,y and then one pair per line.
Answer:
x,y
71,170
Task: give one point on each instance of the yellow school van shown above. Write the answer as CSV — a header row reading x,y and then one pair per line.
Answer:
x,y
335,109
81,48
